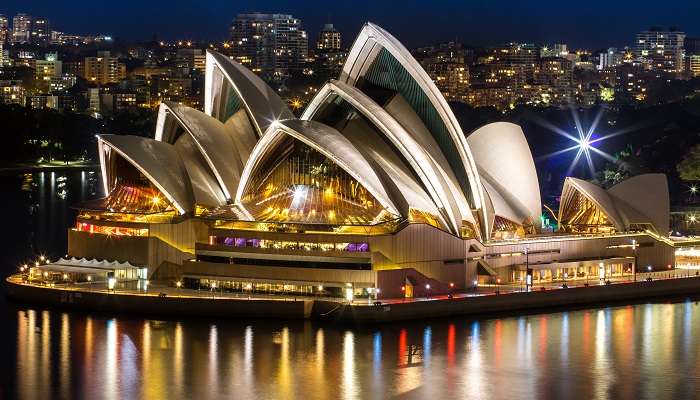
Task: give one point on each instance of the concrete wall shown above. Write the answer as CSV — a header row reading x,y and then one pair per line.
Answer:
x,y
134,249
571,249
163,251
429,251
507,303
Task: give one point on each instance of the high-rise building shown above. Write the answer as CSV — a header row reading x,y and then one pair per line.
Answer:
x,y
556,75
693,62
103,69
272,45
661,50
610,58
4,29
4,55
41,31
519,58
47,69
445,63
21,28
329,38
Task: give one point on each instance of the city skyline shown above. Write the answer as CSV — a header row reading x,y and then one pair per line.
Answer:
x,y
471,23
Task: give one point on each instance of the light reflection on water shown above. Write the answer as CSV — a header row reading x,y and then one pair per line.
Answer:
x,y
645,351
640,351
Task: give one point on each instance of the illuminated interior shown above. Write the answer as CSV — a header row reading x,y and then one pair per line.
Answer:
x,y
361,247
581,215
506,229
419,216
110,230
297,184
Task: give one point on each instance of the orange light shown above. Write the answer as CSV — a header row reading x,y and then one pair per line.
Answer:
x,y
452,284
498,280
403,288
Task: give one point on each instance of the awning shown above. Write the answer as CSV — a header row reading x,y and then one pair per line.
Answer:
x,y
86,266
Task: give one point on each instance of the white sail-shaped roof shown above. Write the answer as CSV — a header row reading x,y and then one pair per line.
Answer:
x,y
638,201
446,196
262,104
644,199
507,170
377,58
211,138
157,161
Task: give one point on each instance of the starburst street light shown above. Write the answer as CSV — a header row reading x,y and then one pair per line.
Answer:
x,y
584,141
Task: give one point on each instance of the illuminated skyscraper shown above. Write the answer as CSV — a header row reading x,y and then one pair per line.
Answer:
x,y
41,31
21,28
4,28
329,38
103,69
272,45
662,50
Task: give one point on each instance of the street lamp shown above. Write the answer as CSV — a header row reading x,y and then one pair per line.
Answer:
x,y
427,290
213,288
528,271
634,266
178,284
89,279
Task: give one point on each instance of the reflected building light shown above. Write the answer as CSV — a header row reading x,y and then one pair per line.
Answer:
x,y
451,344
475,367
601,363
213,359
285,369
350,390
64,371
146,352
248,364
178,361
687,327
377,355
45,372
565,340
111,367
427,342
320,350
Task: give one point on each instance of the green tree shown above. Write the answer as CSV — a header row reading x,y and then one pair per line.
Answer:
x,y
689,167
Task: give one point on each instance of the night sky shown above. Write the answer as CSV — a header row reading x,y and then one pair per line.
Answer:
x,y
585,23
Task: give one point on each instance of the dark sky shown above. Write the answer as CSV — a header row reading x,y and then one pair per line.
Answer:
x,y
590,23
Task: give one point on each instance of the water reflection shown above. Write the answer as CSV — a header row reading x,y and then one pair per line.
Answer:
x,y
40,204
641,351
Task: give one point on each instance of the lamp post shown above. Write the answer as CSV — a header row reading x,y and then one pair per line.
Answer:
x,y
634,266
427,290
213,288
528,271
178,284
89,279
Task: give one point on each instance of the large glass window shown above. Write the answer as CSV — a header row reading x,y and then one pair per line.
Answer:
x,y
298,184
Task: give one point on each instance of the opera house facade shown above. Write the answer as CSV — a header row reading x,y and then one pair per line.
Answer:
x,y
374,186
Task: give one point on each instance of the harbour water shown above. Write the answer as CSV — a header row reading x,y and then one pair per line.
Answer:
x,y
640,351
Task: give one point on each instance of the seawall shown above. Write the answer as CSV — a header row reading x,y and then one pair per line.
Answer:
x,y
508,303
341,312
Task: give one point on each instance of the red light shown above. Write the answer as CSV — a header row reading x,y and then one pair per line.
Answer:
x,y
498,280
403,288
669,266
452,284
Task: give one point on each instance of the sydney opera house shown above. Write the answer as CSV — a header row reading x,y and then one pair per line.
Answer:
x,y
374,186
